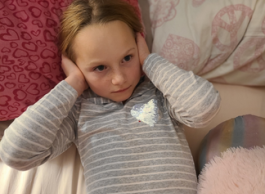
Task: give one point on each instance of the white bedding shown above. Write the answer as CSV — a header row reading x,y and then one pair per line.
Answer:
x,y
62,175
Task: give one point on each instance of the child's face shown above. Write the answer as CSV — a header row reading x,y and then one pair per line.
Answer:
x,y
107,55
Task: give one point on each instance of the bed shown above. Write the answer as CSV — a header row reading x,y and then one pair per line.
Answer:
x,y
225,44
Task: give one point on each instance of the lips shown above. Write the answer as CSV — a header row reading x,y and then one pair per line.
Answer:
x,y
122,90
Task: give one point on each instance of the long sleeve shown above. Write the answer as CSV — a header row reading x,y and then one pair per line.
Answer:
x,y
190,99
43,131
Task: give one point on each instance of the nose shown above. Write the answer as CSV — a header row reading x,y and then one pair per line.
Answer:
x,y
118,77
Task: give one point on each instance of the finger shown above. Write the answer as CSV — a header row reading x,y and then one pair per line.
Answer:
x,y
139,37
142,48
67,65
66,59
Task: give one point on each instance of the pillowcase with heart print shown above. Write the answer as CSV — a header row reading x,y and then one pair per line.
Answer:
x,y
30,62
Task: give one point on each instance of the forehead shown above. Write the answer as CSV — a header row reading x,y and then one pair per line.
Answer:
x,y
98,39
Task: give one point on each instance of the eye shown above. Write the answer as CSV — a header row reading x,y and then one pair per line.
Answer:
x,y
100,68
127,58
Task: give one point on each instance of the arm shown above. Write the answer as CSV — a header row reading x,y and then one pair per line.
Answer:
x,y
44,130
190,99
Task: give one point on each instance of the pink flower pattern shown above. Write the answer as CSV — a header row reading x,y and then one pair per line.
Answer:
x,y
181,51
256,61
232,27
197,3
163,11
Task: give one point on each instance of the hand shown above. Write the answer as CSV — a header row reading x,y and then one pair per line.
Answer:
x,y
74,76
143,50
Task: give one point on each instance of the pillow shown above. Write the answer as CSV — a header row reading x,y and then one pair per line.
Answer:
x,y
30,62
245,131
222,41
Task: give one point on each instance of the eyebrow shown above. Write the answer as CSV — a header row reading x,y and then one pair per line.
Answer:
x,y
129,50
98,62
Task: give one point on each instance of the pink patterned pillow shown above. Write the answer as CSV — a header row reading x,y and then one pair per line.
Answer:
x,y
30,62
222,41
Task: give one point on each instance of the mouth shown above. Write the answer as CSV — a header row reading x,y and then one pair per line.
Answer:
x,y
122,90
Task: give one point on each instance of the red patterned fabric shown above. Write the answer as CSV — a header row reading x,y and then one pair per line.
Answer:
x,y
30,62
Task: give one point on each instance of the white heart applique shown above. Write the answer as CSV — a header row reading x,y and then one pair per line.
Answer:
x,y
147,113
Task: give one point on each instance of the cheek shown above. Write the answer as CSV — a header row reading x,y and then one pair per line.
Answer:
x,y
92,81
98,87
135,72
137,66
98,84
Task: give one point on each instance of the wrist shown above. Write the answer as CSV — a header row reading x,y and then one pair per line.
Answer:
x,y
79,84
144,59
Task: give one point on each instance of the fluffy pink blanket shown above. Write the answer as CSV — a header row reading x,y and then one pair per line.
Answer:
x,y
237,171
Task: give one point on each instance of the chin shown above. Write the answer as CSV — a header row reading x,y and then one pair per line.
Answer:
x,y
121,98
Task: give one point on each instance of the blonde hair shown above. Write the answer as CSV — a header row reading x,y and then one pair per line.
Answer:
x,y
82,13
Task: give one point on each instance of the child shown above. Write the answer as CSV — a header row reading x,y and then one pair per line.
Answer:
x,y
126,125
